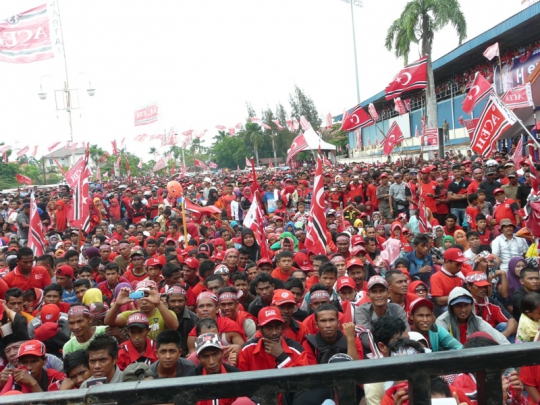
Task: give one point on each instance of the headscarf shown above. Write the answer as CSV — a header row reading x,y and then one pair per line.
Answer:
x,y
253,250
212,196
115,209
220,242
249,196
513,280
92,295
465,244
447,237
91,252
435,228
61,216
98,205
412,286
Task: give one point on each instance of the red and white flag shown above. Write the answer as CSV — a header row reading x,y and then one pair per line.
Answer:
x,y
480,88
316,224
248,163
26,37
492,51
5,148
239,125
407,104
413,76
518,97
280,127
471,126
122,143
416,134
298,145
373,112
23,179
146,115
34,152
423,224
200,164
221,127
305,123
494,121
114,148
73,146
253,219
399,107
255,120
518,153
290,125
77,179
189,132
35,232
394,137
232,131
160,164
266,126
23,151
212,165
140,164
118,161
295,124
53,146
329,120
358,118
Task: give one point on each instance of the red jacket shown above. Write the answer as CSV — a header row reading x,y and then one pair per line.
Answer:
x,y
128,354
253,357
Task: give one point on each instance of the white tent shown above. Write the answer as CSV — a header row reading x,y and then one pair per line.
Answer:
x,y
313,140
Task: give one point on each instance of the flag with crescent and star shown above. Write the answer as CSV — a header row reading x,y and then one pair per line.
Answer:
x,y
413,76
355,119
298,145
77,179
35,233
479,89
394,137
316,224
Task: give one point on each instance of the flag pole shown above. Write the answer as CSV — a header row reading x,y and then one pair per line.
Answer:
x,y
184,221
500,72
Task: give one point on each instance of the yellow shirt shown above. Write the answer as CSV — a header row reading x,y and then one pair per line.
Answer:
x,y
527,329
155,322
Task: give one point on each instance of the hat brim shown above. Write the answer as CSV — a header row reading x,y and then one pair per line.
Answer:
x,y
138,324
207,346
267,321
482,283
283,302
378,283
463,299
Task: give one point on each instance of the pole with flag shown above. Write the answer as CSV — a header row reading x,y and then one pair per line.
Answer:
x,y
35,233
316,223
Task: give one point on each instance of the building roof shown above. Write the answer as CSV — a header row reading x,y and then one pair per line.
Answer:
x,y
65,152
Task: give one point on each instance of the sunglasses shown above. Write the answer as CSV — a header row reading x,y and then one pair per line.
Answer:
x,y
420,289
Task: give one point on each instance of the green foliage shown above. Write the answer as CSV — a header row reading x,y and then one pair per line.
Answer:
x,y
230,152
7,175
302,104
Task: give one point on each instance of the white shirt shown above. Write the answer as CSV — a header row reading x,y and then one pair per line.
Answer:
x,y
506,249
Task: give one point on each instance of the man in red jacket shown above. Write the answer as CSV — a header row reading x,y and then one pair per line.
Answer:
x,y
26,275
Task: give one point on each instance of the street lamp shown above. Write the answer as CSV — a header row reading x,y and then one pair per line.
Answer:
x,y
357,3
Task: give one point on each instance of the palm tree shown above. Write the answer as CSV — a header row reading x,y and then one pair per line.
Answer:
x,y
254,133
153,152
418,23
96,153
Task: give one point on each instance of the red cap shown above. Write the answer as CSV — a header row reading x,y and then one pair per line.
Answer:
x,y
192,262
345,281
169,240
420,302
32,348
139,319
283,297
267,315
357,249
65,270
383,176
425,170
50,312
497,191
354,262
478,278
220,256
454,255
303,261
264,261
305,183
357,240
153,262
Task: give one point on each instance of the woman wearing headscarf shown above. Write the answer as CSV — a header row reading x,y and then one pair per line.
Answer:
x,y
138,210
460,238
115,212
447,242
515,265
246,200
60,216
95,216
249,242
212,197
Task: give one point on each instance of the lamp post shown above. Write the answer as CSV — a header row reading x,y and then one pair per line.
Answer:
x,y
357,3
66,99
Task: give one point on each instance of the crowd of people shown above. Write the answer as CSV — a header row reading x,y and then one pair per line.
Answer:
x,y
147,294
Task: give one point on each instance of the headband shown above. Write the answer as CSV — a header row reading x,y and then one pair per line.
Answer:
x,y
404,352
343,238
319,295
78,310
472,278
231,250
103,247
337,259
207,294
124,245
176,289
227,296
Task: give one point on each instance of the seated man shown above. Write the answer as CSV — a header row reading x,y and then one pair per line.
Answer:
x,y
530,282
138,349
460,320
320,295
169,350
176,298
228,306
398,289
77,371
102,357
80,324
292,329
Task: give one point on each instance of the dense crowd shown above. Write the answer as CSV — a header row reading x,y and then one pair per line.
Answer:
x,y
147,294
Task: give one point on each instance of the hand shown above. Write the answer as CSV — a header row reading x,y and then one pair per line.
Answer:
x,y
515,384
349,331
273,348
401,396
425,269
232,358
4,376
123,296
116,332
67,384
23,377
154,297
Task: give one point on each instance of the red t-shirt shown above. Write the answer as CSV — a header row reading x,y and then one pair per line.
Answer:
x,y
38,278
429,188
471,213
442,285
277,273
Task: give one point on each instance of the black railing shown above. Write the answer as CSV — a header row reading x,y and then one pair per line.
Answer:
x,y
488,363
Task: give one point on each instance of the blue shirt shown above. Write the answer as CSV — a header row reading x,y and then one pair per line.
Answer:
x,y
69,297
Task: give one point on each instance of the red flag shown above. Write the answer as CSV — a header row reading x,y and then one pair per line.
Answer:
x,y
299,144
280,127
35,233
492,123
160,164
518,97
393,137
329,121
232,131
471,126
197,209
290,125
518,153
480,88
358,118
59,166
26,37
140,164
255,187
266,126
373,112
118,161
200,164
248,162
114,148
212,165
173,168
23,151
492,51
146,115
399,107
54,145
316,223
5,148
261,233
407,104
239,125
423,223
255,120
220,127
23,179
295,124
77,178
34,152
413,76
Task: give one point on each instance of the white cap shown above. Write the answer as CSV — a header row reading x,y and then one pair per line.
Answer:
x,y
207,180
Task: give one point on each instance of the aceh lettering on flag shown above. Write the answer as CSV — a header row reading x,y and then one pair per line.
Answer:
x,y
146,115
479,89
298,145
373,112
358,118
23,179
518,97
316,223
394,137
492,51
518,153
494,121
413,76
26,37
35,232
77,179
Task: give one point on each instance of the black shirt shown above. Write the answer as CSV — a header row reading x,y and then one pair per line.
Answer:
x,y
523,192
455,188
489,188
186,322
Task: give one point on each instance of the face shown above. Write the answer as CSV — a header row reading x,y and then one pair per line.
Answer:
x,y
328,279
64,281
327,323
341,268
507,230
252,273
265,290
15,304
101,363
272,331
52,297
422,319
79,325
79,292
478,292
399,284
25,263
297,293
34,364
231,259
530,281
174,278
176,303
378,294
287,311
286,263
189,274
453,267
211,360
214,286
241,285
138,336
243,259
357,274
111,276
151,249
343,246
421,291
450,223
73,262
206,308
249,240
347,293
534,315
314,304
519,266
228,308
79,374
462,311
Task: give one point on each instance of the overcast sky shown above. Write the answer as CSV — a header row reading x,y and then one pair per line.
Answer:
x,y
203,60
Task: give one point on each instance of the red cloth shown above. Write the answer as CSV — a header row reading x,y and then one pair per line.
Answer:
x,y
224,325
39,278
60,216
128,354
253,357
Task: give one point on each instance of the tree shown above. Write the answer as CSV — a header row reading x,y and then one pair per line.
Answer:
x,y
302,104
253,132
96,154
418,23
230,152
153,152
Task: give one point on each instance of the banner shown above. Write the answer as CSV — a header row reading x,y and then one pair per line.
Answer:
x,y
518,97
413,76
26,37
146,115
23,151
517,71
5,148
212,165
431,139
23,179
160,164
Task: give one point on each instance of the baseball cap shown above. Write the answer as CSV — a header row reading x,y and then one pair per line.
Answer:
x,y
498,191
50,313
383,176
376,280
32,348
204,247
478,278
345,281
269,314
303,262
192,262
264,261
136,372
138,319
506,222
465,299
511,174
222,269
454,255
169,240
357,240
65,270
420,302
207,340
207,180
145,284
354,262
153,262
136,252
425,170
283,297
